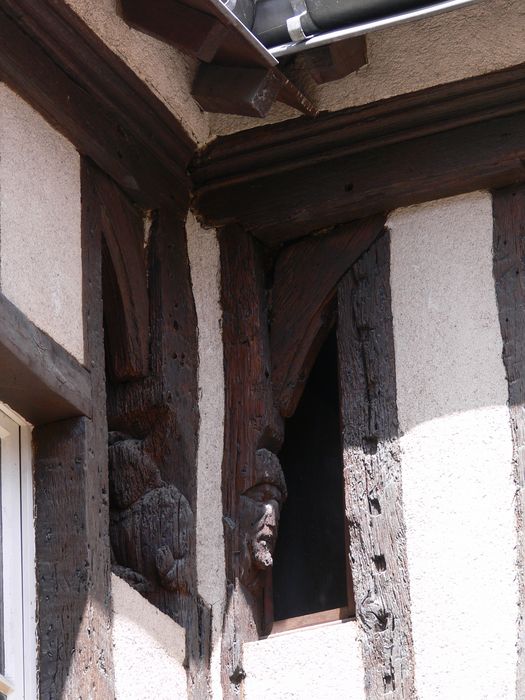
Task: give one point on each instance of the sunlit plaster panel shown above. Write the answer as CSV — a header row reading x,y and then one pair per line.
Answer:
x,y
167,72
314,663
204,256
481,38
148,648
457,450
40,245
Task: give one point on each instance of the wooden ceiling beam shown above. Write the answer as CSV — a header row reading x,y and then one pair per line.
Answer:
x,y
283,181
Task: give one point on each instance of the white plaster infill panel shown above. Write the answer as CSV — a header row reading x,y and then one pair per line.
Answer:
x,y
316,663
456,450
40,223
148,648
204,257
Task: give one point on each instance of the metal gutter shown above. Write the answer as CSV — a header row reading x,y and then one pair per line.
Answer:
x,y
327,37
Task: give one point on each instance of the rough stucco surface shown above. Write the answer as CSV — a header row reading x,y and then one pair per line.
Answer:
x,y
40,243
148,648
315,663
457,450
204,255
166,71
478,39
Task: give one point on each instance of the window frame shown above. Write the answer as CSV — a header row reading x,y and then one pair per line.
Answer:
x,y
18,543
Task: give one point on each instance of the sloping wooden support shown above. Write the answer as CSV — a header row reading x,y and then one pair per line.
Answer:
x,y
372,471
246,91
292,96
126,302
305,284
196,33
335,61
509,274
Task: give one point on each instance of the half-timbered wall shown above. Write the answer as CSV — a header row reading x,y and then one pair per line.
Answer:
x,y
50,251
453,472
430,337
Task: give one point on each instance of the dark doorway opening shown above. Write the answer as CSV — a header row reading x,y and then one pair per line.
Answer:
x,y
310,571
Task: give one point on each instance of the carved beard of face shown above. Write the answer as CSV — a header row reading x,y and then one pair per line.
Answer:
x,y
261,507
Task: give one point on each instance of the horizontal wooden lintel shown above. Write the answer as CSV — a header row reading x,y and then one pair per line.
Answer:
x,y
38,378
285,180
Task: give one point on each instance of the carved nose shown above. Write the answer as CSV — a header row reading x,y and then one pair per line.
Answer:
x,y
271,514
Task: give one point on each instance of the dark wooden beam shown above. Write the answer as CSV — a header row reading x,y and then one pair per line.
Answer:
x,y
251,423
334,61
196,33
125,285
509,275
372,472
247,91
72,642
305,285
56,63
282,181
205,29
38,378
232,90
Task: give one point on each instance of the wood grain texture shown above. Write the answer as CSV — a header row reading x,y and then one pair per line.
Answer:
x,y
69,662
285,205
91,97
232,90
275,148
509,275
372,471
305,286
288,179
38,378
251,423
125,284
161,411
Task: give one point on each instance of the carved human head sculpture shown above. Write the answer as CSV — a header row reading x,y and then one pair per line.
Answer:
x,y
260,508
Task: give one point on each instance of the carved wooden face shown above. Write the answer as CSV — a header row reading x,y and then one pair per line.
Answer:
x,y
260,511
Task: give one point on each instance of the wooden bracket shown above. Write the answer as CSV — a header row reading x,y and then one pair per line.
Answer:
x,y
250,92
335,61
231,90
190,30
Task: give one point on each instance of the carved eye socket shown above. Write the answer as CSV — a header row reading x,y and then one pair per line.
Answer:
x,y
262,493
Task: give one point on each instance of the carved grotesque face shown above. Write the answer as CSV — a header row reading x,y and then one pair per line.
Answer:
x,y
261,506
260,510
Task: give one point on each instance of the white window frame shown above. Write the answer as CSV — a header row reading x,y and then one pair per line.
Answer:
x,y
18,546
